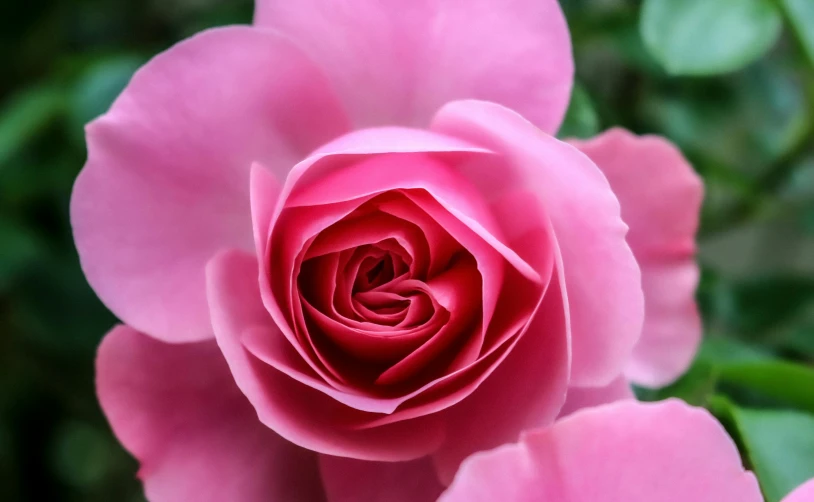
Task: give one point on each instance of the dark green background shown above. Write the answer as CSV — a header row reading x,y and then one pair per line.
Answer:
x,y
748,132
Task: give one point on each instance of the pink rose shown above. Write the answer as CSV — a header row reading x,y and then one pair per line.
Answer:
x,y
631,452
355,251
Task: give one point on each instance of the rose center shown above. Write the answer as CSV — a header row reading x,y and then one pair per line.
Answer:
x,y
389,296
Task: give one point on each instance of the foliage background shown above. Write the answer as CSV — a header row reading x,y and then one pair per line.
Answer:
x,y
747,125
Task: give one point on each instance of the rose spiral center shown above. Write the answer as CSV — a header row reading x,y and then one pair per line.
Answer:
x,y
388,295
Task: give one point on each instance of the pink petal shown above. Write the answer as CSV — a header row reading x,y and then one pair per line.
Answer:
x,y
167,178
442,245
334,177
457,290
804,493
395,62
526,390
297,411
377,346
348,480
628,451
348,169
350,234
602,278
588,397
451,389
432,171
661,196
293,231
176,408
265,190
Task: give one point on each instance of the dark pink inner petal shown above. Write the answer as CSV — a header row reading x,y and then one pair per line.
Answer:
x,y
366,288
399,299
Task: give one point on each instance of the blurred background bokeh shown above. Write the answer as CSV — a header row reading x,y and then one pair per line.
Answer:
x,y
730,81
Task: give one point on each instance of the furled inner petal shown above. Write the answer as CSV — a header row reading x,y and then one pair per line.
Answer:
x,y
384,307
390,287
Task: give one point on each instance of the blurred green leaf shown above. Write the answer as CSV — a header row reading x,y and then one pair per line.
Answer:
x,y
801,15
721,349
25,114
19,248
707,37
775,246
785,381
46,303
81,454
779,445
773,105
628,40
99,86
581,120
695,387
799,186
740,124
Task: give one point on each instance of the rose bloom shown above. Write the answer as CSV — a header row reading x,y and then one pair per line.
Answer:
x,y
344,240
622,452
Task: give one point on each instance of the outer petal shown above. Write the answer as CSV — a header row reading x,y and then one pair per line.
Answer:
x,y
631,452
661,196
348,480
396,62
176,408
167,178
308,417
588,397
513,398
804,493
602,278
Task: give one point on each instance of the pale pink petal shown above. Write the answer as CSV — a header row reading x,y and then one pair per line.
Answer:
x,y
588,397
395,62
602,279
176,408
265,191
349,480
803,493
661,196
166,184
294,408
672,325
627,451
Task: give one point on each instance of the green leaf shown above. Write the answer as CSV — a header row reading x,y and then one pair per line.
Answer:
x,y
778,445
785,381
99,86
707,37
82,454
722,350
581,120
775,105
695,387
775,247
26,114
801,16
19,249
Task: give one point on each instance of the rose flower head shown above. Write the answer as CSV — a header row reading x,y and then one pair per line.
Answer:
x,y
345,239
